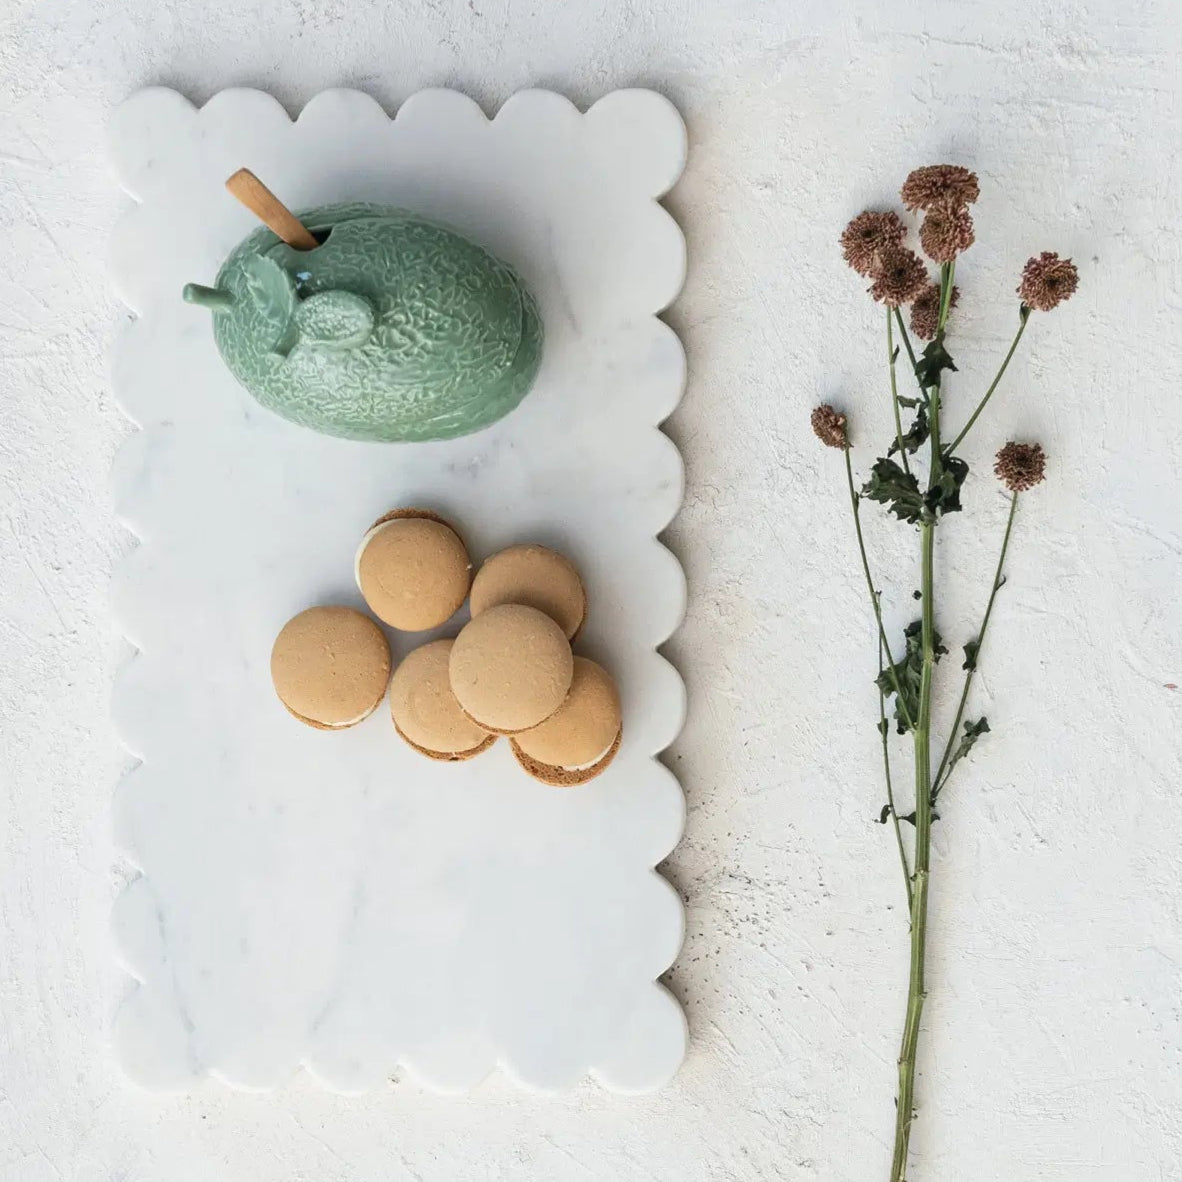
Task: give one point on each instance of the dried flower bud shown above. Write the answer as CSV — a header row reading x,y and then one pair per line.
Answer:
x,y
940,185
1047,281
829,427
867,235
925,311
901,276
1020,466
946,231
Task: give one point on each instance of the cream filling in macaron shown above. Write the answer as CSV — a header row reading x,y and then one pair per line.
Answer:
x,y
376,529
370,534
339,726
582,767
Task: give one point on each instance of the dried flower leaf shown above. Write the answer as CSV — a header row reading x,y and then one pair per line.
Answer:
x,y
972,732
943,495
899,490
915,436
908,672
932,362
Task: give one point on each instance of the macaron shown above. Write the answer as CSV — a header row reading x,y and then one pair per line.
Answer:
x,y
330,667
413,570
510,668
581,738
537,577
425,711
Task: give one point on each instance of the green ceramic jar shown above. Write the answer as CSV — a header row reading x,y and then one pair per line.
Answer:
x,y
392,329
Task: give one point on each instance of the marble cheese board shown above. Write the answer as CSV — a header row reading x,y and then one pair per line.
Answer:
x,y
334,902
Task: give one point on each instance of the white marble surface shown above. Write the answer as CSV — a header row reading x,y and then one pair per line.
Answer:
x,y
337,901
1053,1018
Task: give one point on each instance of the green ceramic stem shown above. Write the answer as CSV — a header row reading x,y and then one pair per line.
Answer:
x,y
213,298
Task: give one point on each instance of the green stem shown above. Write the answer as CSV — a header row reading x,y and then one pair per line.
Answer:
x,y
937,461
916,992
915,998
883,730
947,274
855,504
906,338
1023,317
895,392
939,779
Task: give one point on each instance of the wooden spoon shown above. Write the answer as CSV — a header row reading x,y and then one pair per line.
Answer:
x,y
270,210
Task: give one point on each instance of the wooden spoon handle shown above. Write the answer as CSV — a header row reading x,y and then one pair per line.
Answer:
x,y
270,210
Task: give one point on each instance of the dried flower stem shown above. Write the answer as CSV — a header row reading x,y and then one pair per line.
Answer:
x,y
884,649
915,999
906,336
916,992
891,354
947,273
855,505
1022,318
884,732
941,779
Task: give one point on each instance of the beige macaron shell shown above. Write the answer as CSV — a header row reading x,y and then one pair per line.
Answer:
x,y
561,777
425,711
330,666
537,577
510,668
413,571
582,730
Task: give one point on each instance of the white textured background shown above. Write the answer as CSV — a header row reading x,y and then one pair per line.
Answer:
x,y
1055,1011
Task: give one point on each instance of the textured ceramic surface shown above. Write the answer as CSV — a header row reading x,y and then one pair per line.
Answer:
x,y
335,900
393,329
